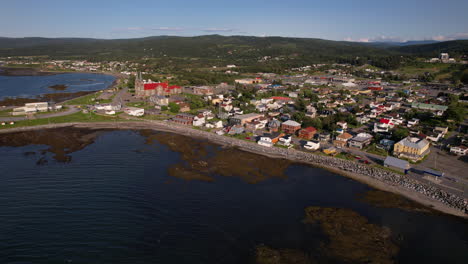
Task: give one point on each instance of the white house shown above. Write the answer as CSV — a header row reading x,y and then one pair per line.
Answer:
x,y
285,141
459,150
134,111
199,120
312,145
265,141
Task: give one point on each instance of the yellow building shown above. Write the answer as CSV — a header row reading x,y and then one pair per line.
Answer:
x,y
412,148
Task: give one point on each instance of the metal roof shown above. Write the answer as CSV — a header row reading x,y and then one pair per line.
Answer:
x,y
398,163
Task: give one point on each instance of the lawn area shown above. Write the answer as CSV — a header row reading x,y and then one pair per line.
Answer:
x,y
84,100
77,117
422,68
144,105
4,113
374,150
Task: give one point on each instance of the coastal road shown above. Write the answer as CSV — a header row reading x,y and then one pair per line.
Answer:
x,y
70,110
459,186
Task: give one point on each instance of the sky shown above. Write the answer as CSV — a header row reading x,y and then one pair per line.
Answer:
x,y
351,20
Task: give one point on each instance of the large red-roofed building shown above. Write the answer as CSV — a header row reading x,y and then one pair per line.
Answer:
x,y
149,88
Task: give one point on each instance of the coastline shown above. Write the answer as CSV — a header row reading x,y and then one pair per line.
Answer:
x,y
374,177
60,97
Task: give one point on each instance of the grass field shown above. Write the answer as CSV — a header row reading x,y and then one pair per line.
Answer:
x,y
77,117
84,100
4,113
415,70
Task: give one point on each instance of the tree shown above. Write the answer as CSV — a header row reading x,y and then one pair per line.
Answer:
x,y
400,133
173,107
298,116
313,122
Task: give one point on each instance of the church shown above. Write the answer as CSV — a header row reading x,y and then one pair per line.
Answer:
x,y
145,88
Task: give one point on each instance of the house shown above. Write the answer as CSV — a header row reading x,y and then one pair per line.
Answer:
x,y
362,119
307,133
311,111
398,164
342,124
274,125
159,100
290,127
413,122
269,140
285,140
342,140
199,120
459,150
254,125
386,144
324,136
360,141
441,130
236,129
199,90
412,148
242,119
183,119
134,111
312,145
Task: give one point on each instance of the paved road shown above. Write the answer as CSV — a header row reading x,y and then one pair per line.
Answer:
x,y
70,110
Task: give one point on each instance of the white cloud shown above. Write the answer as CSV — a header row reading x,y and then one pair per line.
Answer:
x,y
399,39
168,29
141,29
218,30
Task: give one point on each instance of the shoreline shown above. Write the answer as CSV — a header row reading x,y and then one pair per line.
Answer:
x,y
60,97
429,196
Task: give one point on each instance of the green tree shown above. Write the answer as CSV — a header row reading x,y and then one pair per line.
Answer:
x,y
173,107
400,133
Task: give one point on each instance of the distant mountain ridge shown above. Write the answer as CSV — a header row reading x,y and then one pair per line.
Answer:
x,y
216,46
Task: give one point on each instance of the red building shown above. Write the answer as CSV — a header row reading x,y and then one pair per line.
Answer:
x,y
375,88
290,127
307,133
148,88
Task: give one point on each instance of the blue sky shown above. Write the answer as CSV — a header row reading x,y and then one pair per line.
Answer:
x,y
357,20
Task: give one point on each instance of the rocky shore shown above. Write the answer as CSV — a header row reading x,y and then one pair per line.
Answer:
x,y
378,178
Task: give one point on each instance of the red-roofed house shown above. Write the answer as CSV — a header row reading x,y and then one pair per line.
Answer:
x,y
307,133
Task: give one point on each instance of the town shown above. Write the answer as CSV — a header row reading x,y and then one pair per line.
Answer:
x,y
408,125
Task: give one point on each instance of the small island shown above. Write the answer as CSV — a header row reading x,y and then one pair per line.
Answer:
x,y
59,87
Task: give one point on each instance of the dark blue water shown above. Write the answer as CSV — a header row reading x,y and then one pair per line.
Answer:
x,y
32,86
112,204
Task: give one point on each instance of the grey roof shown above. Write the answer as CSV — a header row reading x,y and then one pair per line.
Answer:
x,y
408,142
291,123
398,163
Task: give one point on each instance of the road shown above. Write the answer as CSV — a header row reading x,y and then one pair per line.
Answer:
x,y
459,186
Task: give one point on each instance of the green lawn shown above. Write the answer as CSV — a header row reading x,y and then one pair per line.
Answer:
x,y
77,117
84,100
144,105
374,150
4,113
415,70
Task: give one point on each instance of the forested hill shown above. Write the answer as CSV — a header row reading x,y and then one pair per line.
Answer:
x,y
455,48
211,46
241,49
